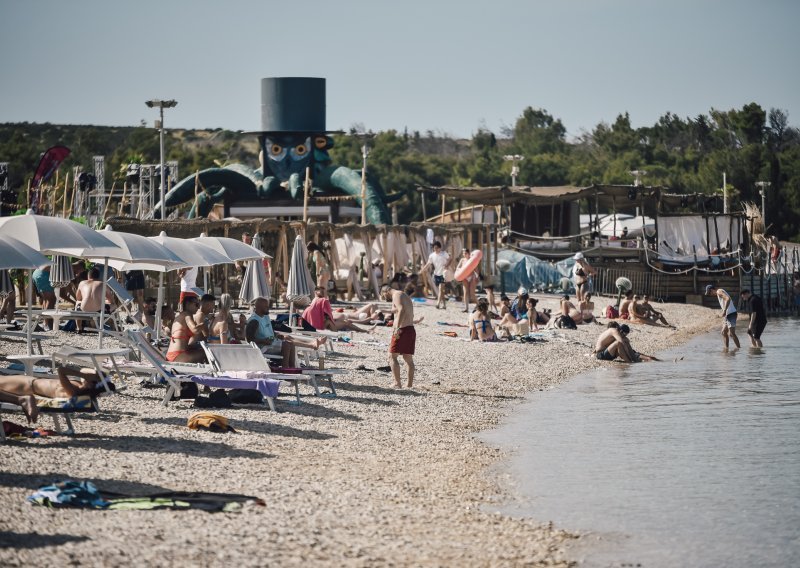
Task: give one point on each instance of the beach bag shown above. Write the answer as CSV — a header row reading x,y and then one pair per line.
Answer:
x,y
245,396
612,312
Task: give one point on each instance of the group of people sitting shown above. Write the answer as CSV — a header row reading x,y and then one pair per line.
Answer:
x,y
204,319
638,309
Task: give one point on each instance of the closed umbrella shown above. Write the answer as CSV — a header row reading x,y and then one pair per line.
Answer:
x,y
258,242
61,274
254,283
300,286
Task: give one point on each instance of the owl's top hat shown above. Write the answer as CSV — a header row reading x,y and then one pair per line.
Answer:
x,y
292,105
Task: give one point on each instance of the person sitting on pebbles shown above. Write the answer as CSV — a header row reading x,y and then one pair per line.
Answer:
x,y
613,343
481,323
22,389
652,315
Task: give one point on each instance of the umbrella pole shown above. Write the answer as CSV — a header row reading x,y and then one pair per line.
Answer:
x,y
160,304
103,305
29,294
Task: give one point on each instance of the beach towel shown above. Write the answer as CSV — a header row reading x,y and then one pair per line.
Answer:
x,y
75,403
257,380
86,495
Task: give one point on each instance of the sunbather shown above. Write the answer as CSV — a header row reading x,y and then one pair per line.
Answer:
x,y
624,307
587,308
652,314
223,328
259,331
22,389
184,345
613,343
481,323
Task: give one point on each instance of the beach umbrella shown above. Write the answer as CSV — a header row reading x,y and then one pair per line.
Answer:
x,y
258,242
61,274
300,286
16,254
54,235
192,253
6,285
254,283
233,249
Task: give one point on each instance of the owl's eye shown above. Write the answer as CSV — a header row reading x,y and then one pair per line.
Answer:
x,y
300,149
275,149
320,142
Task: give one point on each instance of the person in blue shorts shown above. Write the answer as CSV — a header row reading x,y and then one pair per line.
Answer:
x,y
728,314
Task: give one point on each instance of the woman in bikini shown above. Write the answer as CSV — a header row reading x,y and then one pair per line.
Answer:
x,y
184,345
223,328
323,269
470,282
22,389
481,323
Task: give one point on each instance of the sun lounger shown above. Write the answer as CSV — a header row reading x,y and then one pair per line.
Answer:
x,y
36,337
173,373
244,360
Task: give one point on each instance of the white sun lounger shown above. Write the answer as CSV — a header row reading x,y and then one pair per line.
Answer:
x,y
247,357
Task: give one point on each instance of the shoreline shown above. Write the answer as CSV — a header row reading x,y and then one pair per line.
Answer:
x,y
372,477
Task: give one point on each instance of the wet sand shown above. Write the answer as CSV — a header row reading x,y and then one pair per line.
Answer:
x,y
375,476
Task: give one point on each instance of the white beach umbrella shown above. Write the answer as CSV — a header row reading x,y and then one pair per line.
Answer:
x,y
138,250
300,286
192,253
233,249
54,235
16,254
254,282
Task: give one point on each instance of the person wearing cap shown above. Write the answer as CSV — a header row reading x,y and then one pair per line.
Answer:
x,y
728,314
517,313
581,272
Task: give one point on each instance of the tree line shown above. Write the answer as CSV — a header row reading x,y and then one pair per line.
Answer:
x,y
687,155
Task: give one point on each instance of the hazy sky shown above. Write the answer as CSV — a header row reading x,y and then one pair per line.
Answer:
x,y
450,67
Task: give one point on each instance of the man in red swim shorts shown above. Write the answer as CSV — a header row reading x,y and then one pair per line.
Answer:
x,y
404,337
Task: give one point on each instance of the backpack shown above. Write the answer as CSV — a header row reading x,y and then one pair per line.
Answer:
x,y
612,312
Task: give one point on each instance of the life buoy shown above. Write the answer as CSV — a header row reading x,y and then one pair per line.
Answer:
x,y
470,266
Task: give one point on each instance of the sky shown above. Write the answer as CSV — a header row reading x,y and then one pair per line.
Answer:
x,y
447,67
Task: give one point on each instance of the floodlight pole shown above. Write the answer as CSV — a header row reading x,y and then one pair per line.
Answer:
x,y
763,185
161,106
364,154
513,158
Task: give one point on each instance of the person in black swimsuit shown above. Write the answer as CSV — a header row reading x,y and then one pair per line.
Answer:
x,y
758,317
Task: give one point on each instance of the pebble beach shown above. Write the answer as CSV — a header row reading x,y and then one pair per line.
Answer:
x,y
372,477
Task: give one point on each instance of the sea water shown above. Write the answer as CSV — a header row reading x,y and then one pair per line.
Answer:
x,y
694,461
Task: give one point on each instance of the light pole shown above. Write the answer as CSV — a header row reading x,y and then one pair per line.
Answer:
x,y
513,158
364,154
161,106
763,185
514,167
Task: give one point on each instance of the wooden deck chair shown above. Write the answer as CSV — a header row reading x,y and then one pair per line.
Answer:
x,y
247,357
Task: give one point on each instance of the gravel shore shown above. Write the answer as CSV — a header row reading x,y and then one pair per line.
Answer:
x,y
375,476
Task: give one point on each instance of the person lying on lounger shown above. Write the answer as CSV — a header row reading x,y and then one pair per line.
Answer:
x,y
22,389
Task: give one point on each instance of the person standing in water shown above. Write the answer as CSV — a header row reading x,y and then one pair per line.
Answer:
x,y
728,314
758,317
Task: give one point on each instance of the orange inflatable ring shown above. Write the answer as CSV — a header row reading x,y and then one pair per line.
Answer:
x,y
471,265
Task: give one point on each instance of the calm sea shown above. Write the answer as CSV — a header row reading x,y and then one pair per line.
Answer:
x,y
694,462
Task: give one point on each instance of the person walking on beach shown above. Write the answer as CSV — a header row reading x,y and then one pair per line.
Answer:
x,y
728,314
758,317
440,260
404,336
